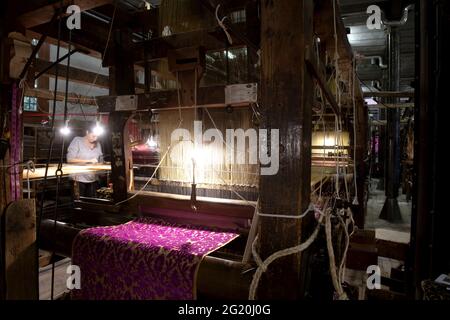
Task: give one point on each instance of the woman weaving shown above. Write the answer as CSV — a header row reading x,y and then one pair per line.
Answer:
x,y
85,150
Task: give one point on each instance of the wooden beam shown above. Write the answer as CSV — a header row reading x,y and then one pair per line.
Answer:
x,y
312,68
212,40
44,14
286,99
48,95
75,74
234,32
389,105
20,250
209,97
324,29
122,82
361,128
78,75
389,94
30,34
43,83
92,36
142,21
384,122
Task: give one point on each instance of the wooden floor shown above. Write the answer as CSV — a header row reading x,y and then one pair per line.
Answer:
x,y
45,276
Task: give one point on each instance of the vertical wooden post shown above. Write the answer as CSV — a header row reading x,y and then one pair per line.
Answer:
x,y
43,82
430,256
286,97
360,161
21,267
251,19
122,75
5,103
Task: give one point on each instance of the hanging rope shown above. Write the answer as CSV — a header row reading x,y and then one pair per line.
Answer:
x,y
263,265
104,51
180,121
335,277
355,201
59,171
222,24
30,168
52,129
310,208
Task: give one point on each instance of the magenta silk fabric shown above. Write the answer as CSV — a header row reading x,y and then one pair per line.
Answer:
x,y
142,259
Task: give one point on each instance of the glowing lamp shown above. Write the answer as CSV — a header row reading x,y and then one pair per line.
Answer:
x,y
152,143
65,131
98,130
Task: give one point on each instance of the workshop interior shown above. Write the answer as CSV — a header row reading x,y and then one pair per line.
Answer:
x,y
223,150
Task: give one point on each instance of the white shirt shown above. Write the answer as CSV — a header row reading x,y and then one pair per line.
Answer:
x,y
79,150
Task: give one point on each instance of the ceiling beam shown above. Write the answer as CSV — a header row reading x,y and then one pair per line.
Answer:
x,y
389,94
75,74
311,65
158,48
49,95
209,97
399,105
324,29
141,21
234,32
43,14
93,34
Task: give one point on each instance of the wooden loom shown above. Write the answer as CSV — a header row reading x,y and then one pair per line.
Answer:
x,y
229,268
223,269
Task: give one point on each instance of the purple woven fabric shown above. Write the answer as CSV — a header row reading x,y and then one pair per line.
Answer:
x,y
143,259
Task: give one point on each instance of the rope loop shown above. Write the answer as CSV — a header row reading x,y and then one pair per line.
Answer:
x,y
222,24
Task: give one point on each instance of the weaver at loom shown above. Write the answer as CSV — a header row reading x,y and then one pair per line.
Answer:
x,y
236,140
85,150
197,206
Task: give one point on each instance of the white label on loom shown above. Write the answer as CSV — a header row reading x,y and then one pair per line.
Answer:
x,y
126,103
241,93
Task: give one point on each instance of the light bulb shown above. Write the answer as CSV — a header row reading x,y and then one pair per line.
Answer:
x,y
199,155
231,55
98,130
65,131
151,143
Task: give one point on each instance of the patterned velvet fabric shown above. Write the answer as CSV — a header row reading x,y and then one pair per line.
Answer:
x,y
142,259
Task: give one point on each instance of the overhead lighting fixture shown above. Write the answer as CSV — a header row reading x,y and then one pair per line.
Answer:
x,y
370,101
147,5
231,55
65,131
151,143
98,129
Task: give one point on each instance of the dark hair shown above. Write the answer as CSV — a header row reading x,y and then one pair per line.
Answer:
x,y
89,126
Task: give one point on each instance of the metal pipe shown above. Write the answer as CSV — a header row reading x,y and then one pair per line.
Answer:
x,y
66,235
402,21
391,210
380,61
